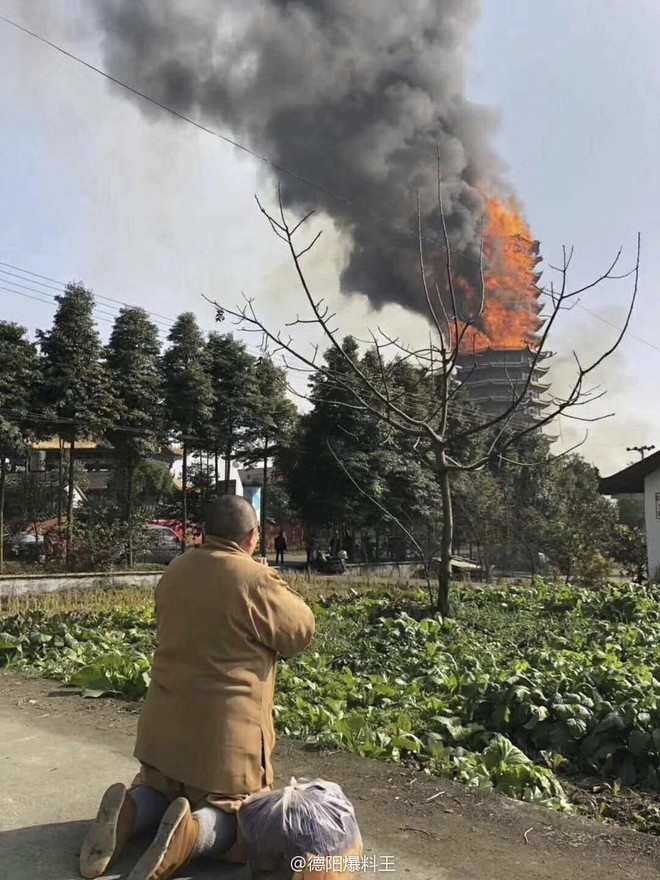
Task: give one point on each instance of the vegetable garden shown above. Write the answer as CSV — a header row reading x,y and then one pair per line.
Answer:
x,y
529,691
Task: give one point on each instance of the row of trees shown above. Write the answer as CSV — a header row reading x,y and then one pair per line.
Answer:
x,y
347,472
346,469
207,394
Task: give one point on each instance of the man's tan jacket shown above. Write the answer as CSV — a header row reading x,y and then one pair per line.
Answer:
x,y
221,618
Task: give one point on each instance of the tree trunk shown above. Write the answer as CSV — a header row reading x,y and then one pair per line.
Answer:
x,y
228,452
428,572
3,474
129,511
60,497
532,561
444,572
264,491
216,468
486,562
184,500
69,505
349,545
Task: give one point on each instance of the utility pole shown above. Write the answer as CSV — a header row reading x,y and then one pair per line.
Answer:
x,y
264,494
641,449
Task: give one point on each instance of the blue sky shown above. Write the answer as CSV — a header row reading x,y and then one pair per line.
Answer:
x,y
577,87
157,213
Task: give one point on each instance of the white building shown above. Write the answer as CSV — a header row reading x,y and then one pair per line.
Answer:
x,y
236,484
642,478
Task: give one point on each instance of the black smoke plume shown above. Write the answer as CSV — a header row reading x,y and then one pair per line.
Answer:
x,y
355,95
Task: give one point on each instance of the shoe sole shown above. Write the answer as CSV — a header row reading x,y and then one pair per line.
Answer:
x,y
153,857
100,843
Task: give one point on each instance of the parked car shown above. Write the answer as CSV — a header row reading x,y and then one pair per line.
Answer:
x,y
164,545
25,547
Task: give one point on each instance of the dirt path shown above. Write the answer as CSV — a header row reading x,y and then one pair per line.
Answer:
x,y
58,752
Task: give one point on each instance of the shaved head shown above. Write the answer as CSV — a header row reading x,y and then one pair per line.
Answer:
x,y
230,517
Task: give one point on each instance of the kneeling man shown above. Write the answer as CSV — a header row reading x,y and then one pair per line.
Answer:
x,y
205,735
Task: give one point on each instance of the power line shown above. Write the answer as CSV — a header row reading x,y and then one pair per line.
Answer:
x,y
234,143
264,159
99,313
167,321
27,296
63,285
15,275
31,415
45,301
51,297
176,113
629,335
462,409
51,419
163,325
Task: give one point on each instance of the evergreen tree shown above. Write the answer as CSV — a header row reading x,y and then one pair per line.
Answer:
x,y
631,511
319,488
153,489
579,519
132,358
628,548
74,388
480,507
187,393
373,479
18,382
523,480
231,368
272,421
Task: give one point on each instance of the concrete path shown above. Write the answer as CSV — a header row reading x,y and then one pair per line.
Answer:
x,y
59,752
51,778
49,785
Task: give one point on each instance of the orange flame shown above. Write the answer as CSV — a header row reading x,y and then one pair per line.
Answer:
x,y
510,316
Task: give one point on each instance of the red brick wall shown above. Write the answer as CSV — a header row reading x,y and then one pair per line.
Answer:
x,y
294,534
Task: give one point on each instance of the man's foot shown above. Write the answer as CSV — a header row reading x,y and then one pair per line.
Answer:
x,y
109,832
173,845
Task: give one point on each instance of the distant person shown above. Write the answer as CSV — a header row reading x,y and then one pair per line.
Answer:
x,y
280,547
205,734
311,550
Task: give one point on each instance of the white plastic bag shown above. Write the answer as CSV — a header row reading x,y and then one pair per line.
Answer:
x,y
307,816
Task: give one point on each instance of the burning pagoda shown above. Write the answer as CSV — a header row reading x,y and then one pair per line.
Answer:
x,y
495,377
497,355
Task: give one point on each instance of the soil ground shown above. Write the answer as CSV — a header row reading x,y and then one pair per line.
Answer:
x,y
59,751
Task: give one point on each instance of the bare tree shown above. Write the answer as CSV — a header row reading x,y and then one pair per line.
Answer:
x,y
449,325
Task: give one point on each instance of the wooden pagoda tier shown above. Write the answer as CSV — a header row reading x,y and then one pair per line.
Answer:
x,y
492,377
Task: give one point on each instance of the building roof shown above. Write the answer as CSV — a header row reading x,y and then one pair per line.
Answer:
x,y
480,354
54,444
630,481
